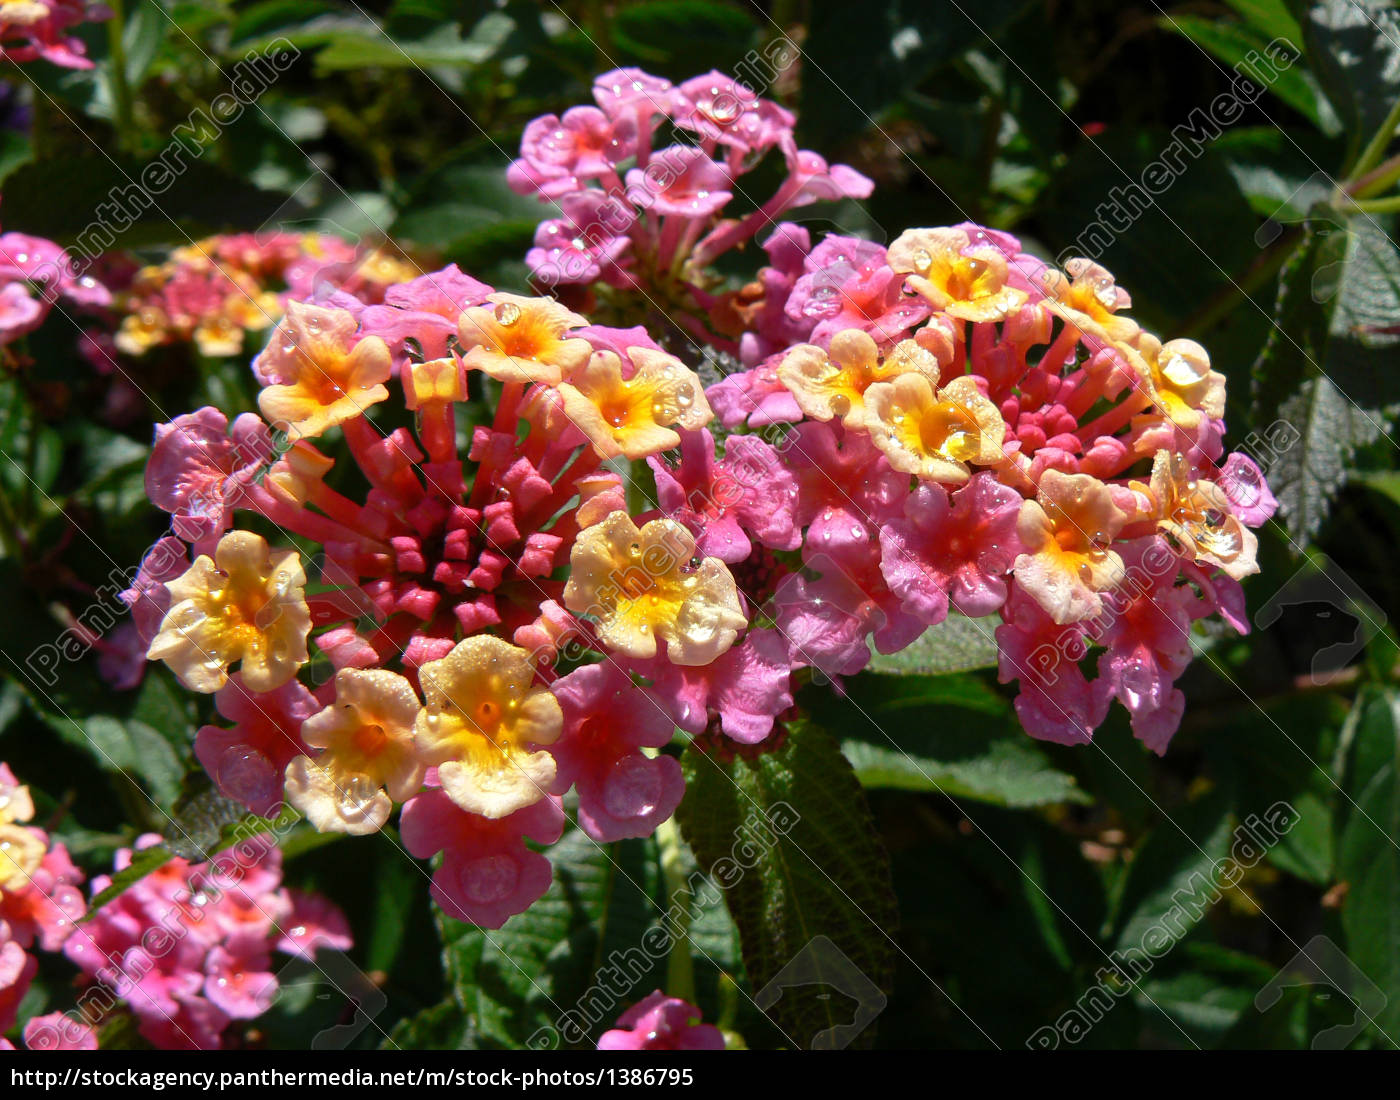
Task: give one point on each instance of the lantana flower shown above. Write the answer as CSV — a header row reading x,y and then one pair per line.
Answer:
x,y
515,339
966,281
484,724
938,435
243,605
640,586
368,760
638,415
1068,531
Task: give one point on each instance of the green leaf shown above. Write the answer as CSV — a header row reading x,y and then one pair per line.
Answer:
x,y
957,644
517,983
1240,47
1211,989
1354,48
443,46
788,837
1171,883
687,36
1369,862
440,1027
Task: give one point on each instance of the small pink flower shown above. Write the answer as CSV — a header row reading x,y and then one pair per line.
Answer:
x,y
847,284
17,971
811,179
199,467
607,722
1056,703
487,873
660,1022
628,92
720,109
20,312
247,762
558,154
753,397
680,180
960,553
424,310
724,501
586,241
1250,496
237,979
313,923
59,1031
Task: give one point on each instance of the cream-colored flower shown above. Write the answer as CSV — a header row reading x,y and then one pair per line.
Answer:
x,y
936,435
368,759
483,713
634,416
1067,531
517,339
642,585
1197,515
962,281
833,384
245,604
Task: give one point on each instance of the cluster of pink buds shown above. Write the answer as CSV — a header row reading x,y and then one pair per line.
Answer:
x,y
34,275
33,29
216,291
643,181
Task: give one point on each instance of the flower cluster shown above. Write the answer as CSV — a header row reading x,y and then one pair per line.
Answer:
x,y
32,29
974,431
189,947
216,291
495,616
642,182
34,275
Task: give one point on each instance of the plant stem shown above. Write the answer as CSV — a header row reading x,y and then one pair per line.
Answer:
x,y
1375,148
1376,180
680,967
116,68
1388,205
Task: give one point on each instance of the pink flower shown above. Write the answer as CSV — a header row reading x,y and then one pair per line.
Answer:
x,y
247,762
17,971
680,180
20,312
314,922
660,1022
607,722
724,501
746,688
487,875
848,285
557,154
1250,496
585,242
811,179
753,397
237,980
45,907
963,553
629,92
37,29
720,109
198,466
59,1031
1056,703
424,310
1146,627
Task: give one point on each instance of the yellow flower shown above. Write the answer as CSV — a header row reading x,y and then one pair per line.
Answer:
x,y
1089,300
1066,531
246,605
1197,515
483,711
967,283
142,331
934,435
368,760
641,585
827,384
296,474
324,376
517,339
634,416
1177,377
21,852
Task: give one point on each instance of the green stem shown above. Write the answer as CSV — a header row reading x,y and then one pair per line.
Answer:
x,y
1375,148
116,67
680,967
1225,302
1388,205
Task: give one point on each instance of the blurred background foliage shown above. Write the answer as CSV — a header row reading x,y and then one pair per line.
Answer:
x,y
1017,868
